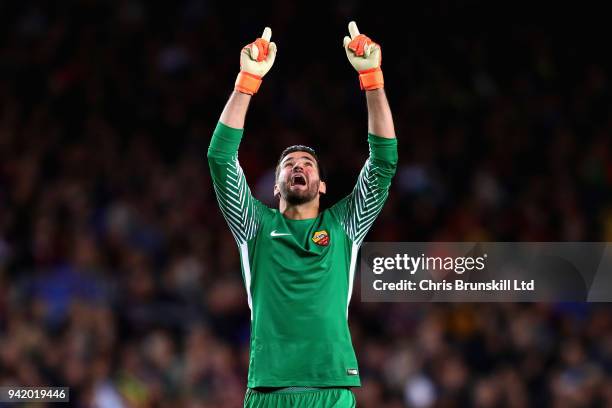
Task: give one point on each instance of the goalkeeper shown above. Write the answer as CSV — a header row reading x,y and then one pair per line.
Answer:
x,y
298,261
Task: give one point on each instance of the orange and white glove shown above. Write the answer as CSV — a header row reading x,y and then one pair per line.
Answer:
x,y
256,59
365,56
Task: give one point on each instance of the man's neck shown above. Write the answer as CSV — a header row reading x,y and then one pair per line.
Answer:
x,y
301,211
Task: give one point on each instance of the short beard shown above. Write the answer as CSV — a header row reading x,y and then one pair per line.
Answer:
x,y
299,197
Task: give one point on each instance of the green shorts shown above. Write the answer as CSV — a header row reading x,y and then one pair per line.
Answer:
x,y
301,398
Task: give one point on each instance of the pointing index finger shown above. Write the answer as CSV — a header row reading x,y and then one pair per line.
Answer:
x,y
267,34
353,30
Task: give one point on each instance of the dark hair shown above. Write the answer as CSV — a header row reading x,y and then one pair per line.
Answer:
x,y
299,148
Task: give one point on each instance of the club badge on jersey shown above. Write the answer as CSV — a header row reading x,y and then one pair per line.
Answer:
x,y
321,238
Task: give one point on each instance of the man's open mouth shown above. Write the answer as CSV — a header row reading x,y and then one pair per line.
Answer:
x,y
298,180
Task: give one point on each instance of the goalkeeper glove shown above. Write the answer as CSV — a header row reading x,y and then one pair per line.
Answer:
x,y
365,56
256,59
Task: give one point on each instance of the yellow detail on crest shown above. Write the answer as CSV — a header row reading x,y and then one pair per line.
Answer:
x,y
321,238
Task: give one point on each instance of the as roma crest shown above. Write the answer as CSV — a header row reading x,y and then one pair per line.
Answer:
x,y
321,238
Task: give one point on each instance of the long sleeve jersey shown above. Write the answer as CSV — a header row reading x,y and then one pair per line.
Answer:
x,y
298,274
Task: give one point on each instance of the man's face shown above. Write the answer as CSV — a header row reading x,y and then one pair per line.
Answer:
x,y
298,179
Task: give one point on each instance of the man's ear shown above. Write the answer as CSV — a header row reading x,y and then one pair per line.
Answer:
x,y
322,187
276,191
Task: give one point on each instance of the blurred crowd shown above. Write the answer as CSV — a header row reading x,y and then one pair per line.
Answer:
x,y
120,279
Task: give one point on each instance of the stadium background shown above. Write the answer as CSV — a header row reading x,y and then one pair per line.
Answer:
x,y
119,277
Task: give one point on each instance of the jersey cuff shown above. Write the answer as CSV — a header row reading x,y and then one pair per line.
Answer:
x,y
382,148
225,139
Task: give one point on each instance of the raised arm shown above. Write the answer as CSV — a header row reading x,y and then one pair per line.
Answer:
x,y
380,121
240,209
235,110
359,209
366,57
256,59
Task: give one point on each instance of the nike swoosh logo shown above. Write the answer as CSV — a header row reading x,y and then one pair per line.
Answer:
x,y
278,234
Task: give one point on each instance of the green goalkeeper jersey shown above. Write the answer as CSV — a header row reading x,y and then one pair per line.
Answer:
x,y
299,274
